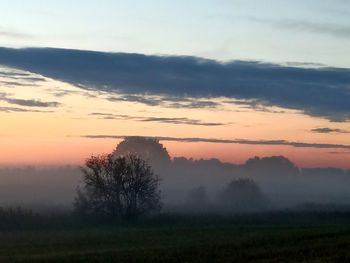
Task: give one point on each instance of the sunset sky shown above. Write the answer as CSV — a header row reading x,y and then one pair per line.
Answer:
x,y
227,79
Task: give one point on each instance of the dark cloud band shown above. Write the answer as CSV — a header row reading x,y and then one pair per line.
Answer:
x,y
15,109
328,130
168,120
234,141
320,92
28,102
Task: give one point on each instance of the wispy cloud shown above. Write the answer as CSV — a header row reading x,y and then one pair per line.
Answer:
x,y
32,103
322,92
147,100
336,30
12,78
166,101
13,34
16,84
61,92
12,74
234,141
328,130
6,97
186,121
254,105
14,109
168,120
27,102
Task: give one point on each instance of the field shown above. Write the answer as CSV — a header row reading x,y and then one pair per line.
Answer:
x,y
184,240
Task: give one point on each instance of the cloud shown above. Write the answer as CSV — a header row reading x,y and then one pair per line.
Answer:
x,y
24,77
14,109
149,101
195,104
13,74
234,141
30,79
59,92
32,103
336,30
181,120
328,130
253,104
12,34
305,64
27,102
16,84
322,92
166,101
15,78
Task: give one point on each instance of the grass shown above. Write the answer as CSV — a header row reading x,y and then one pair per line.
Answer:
x,y
181,241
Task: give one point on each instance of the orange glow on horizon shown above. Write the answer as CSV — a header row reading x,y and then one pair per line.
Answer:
x,y
54,135
74,151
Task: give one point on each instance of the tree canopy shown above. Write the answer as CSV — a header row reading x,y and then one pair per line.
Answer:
x,y
149,149
122,187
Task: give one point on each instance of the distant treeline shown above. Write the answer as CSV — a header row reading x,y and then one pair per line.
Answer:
x,y
189,185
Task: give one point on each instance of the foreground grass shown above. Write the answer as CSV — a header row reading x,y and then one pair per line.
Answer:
x,y
212,242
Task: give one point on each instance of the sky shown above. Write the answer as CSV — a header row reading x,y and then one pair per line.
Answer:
x,y
223,79
265,30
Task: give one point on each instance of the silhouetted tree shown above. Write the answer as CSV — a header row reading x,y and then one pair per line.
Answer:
x,y
242,195
122,187
148,149
271,166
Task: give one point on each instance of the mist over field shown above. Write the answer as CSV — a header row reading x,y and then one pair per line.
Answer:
x,y
190,186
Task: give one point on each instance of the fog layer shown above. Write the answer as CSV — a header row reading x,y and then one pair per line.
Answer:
x,y
189,185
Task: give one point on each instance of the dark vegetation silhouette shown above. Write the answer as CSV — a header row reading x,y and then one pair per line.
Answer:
x,y
148,149
118,188
242,195
271,166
